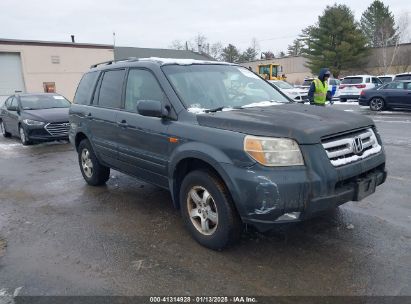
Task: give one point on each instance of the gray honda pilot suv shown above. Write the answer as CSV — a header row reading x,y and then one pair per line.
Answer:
x,y
230,148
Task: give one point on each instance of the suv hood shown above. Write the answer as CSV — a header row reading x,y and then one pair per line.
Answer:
x,y
47,115
305,124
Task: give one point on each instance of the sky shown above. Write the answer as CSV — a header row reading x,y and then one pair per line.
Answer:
x,y
156,23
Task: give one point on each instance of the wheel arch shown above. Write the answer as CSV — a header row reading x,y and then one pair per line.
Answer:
x,y
191,162
79,137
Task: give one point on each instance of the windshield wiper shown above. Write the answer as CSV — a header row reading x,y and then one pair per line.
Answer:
x,y
221,108
214,110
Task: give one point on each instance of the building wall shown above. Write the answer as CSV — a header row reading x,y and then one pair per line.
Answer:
x,y
37,66
390,60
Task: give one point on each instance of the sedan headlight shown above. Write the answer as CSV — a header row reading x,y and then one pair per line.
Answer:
x,y
31,122
273,152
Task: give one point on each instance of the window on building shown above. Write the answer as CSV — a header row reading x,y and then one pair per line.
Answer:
x,y
49,87
55,59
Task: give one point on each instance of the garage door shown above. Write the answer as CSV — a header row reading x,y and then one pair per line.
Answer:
x,y
11,76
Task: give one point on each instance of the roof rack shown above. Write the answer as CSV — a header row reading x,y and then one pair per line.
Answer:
x,y
113,61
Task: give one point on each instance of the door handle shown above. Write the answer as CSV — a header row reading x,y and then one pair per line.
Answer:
x,y
122,124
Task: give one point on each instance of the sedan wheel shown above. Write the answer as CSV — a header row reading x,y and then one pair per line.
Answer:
x,y
23,136
377,104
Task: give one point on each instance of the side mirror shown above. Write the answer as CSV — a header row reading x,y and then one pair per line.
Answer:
x,y
152,108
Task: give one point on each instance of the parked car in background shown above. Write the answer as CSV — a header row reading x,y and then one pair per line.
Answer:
x,y
228,157
296,94
333,86
351,86
35,117
403,76
386,78
396,94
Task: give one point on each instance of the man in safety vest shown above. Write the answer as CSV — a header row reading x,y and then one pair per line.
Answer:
x,y
318,93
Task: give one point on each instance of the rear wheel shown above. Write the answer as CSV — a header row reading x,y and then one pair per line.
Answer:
x,y
3,130
93,172
377,104
208,211
343,99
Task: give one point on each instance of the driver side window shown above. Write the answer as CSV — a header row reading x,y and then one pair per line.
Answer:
x,y
141,85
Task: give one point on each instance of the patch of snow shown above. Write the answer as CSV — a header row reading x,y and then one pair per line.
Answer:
x,y
344,161
262,104
197,110
182,61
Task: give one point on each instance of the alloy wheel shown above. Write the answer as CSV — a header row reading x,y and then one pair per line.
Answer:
x,y
22,135
2,128
86,163
202,210
376,104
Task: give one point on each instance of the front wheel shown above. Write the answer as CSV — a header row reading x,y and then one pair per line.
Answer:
x,y
208,211
3,130
23,136
377,104
94,173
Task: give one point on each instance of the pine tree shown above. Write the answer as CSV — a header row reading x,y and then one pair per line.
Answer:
x,y
378,25
335,41
248,55
295,48
230,54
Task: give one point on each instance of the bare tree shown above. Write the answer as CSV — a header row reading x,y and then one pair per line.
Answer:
x,y
177,45
215,50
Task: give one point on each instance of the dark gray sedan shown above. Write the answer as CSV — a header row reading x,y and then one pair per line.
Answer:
x,y
392,95
35,117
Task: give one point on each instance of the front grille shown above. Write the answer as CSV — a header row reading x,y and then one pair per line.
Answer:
x,y
345,149
58,128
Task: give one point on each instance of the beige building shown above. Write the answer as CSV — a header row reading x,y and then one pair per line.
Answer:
x,y
388,60
40,66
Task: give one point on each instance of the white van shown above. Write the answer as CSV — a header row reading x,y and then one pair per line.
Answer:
x,y
351,86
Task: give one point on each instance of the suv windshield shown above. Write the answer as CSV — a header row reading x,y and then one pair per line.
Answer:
x,y
36,102
282,84
351,80
207,87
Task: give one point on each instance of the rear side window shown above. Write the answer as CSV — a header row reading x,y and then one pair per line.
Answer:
x,y
142,85
403,77
352,80
408,86
395,86
111,89
85,88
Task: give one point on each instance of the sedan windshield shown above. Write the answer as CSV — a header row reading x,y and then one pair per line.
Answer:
x,y
36,102
216,87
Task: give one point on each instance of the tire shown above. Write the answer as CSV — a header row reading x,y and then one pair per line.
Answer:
x,y
94,173
377,104
23,136
213,221
3,130
343,99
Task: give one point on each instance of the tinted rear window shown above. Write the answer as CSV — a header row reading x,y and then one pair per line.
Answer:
x,y
111,89
403,77
352,80
85,88
385,79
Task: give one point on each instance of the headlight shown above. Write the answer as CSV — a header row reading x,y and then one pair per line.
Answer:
x,y
273,151
33,122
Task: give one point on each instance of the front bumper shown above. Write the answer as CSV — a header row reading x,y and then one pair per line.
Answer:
x,y
40,134
265,196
